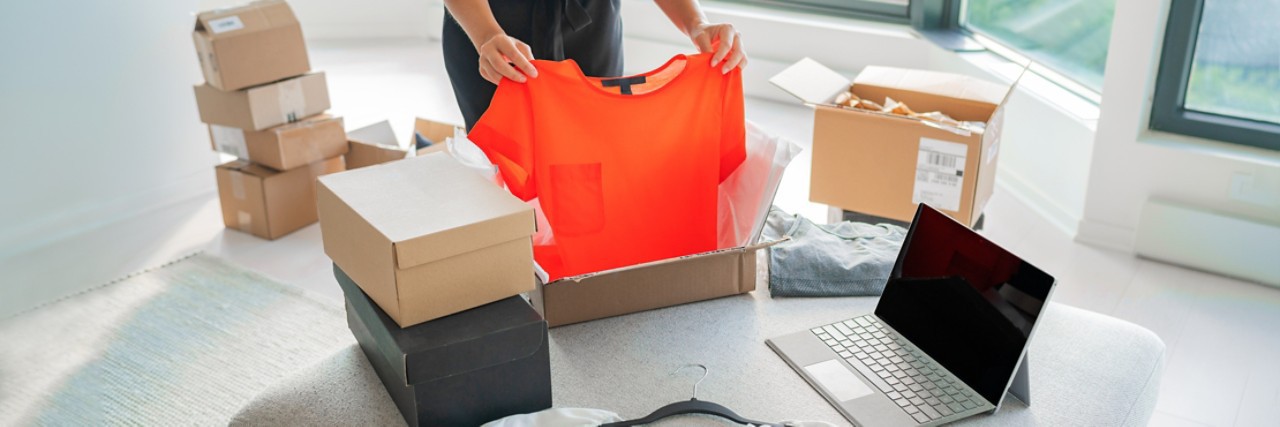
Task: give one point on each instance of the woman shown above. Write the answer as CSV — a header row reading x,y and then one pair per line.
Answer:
x,y
488,40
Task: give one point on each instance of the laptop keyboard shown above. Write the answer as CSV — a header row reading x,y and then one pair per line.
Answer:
x,y
917,384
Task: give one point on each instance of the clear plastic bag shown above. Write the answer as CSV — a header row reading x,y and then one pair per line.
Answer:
x,y
747,194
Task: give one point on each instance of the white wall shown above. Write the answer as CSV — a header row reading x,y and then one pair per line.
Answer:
x,y
98,115
1131,164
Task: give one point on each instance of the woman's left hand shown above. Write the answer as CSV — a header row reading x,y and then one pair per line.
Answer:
x,y
722,39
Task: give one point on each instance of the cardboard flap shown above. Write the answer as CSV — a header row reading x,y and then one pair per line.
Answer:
x,y
432,207
377,134
248,168
934,83
811,82
253,17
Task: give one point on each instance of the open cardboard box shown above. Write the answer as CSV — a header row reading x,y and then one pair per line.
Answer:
x,y
669,282
377,143
884,165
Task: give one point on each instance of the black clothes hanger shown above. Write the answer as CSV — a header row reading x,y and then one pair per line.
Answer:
x,y
691,406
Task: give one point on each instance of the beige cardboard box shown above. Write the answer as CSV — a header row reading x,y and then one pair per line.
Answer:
x,y
648,286
286,146
884,165
426,237
265,106
250,45
268,203
377,143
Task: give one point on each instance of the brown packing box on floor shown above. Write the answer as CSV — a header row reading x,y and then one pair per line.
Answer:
x,y
286,146
250,45
377,143
265,106
884,165
372,145
426,237
269,203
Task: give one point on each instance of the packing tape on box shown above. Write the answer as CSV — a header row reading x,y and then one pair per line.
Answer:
x,y
244,221
230,140
237,184
292,100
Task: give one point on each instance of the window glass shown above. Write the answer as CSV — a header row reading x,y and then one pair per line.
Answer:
x,y
1236,67
1070,36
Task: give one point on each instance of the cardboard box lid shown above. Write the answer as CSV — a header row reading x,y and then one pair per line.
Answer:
x,y
433,130
486,336
815,84
250,18
432,207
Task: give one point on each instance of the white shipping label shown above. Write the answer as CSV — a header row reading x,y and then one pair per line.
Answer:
x,y
292,100
230,140
237,185
940,174
244,221
222,25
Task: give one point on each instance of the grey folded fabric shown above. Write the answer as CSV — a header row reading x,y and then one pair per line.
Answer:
x,y
842,259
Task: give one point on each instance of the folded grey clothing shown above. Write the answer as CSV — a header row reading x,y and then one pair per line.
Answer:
x,y
842,259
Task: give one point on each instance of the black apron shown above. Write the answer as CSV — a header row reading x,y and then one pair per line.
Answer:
x,y
586,31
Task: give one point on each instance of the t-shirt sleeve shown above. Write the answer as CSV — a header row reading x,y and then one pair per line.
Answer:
x,y
733,145
505,134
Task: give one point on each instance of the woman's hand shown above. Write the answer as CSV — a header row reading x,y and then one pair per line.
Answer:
x,y
499,52
729,49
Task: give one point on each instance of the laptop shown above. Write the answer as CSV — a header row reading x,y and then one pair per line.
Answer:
x,y
946,337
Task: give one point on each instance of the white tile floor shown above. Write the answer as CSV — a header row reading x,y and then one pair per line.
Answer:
x,y
1223,364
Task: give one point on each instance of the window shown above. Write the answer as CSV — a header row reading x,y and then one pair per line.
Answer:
x,y
1219,75
878,10
1069,36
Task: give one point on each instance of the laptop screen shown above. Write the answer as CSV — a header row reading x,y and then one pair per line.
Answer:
x,y
967,303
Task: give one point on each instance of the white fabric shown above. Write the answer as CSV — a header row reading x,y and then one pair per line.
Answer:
x,y
558,417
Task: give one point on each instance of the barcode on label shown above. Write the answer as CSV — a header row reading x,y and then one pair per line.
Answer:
x,y
943,160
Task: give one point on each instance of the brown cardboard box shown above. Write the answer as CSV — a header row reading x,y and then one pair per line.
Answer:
x,y
374,144
250,45
884,165
426,237
286,146
377,143
265,106
269,203
648,286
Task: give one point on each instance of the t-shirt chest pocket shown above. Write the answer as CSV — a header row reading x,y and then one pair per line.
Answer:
x,y
578,203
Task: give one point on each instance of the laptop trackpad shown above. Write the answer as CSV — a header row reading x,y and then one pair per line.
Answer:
x,y
838,380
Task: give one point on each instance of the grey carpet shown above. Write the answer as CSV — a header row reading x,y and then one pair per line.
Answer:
x,y
185,344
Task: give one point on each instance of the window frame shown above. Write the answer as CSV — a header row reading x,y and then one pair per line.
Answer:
x,y
1168,109
860,9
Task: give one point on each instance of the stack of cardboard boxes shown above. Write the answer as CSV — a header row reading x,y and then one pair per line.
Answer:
x,y
431,257
264,105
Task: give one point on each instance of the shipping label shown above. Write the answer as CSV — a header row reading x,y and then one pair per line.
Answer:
x,y
230,140
222,25
940,174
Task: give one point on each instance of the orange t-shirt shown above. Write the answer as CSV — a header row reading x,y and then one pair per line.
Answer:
x,y
626,169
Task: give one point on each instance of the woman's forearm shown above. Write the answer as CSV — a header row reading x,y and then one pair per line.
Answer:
x,y
685,14
476,19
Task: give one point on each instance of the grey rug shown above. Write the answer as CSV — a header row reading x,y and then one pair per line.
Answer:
x,y
185,344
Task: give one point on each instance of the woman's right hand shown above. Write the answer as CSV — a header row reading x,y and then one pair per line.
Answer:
x,y
499,53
